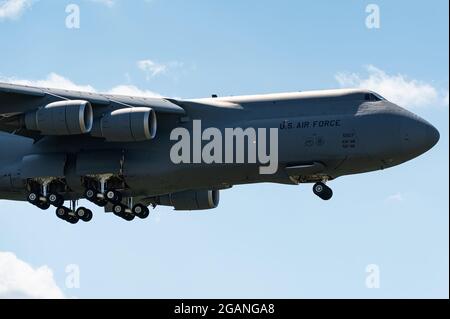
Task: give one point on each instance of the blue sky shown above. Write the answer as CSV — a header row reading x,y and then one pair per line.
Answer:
x,y
263,240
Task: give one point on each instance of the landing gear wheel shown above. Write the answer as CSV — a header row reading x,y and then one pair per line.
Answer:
x,y
88,216
141,211
72,220
62,212
101,202
91,195
119,210
123,212
55,200
128,217
43,206
84,214
323,191
113,196
33,198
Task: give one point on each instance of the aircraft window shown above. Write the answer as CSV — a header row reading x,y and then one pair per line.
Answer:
x,y
372,97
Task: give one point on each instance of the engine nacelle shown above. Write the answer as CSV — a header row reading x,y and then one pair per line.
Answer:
x,y
191,200
127,125
61,118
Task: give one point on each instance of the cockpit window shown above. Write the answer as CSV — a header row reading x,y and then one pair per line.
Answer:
x,y
373,97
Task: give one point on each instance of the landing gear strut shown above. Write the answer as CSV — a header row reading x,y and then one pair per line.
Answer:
x,y
100,195
323,191
41,198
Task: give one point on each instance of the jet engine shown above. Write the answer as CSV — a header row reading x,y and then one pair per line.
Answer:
x,y
127,125
61,118
190,200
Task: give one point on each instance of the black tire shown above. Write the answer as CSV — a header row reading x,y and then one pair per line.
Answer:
x,y
84,214
141,211
55,200
128,217
81,212
319,188
91,195
88,216
118,210
323,191
62,213
43,206
72,220
33,198
328,194
113,196
101,202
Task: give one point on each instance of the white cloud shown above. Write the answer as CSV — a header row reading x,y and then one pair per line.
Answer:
x,y
395,198
20,280
108,3
151,68
57,81
397,88
12,9
53,80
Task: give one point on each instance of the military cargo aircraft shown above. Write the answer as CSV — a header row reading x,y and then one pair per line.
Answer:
x,y
61,146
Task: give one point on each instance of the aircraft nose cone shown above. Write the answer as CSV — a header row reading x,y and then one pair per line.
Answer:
x,y
432,136
419,136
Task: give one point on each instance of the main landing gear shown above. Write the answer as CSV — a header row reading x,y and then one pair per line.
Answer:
x,y
138,210
74,216
42,198
43,194
323,191
102,196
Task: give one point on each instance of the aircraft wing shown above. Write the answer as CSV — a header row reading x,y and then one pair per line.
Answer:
x,y
16,100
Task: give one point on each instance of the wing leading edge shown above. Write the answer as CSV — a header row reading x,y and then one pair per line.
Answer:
x,y
16,100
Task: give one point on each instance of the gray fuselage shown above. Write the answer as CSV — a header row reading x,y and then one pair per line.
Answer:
x,y
343,131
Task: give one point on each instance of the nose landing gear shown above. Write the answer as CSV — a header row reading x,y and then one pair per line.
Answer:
x,y
323,191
